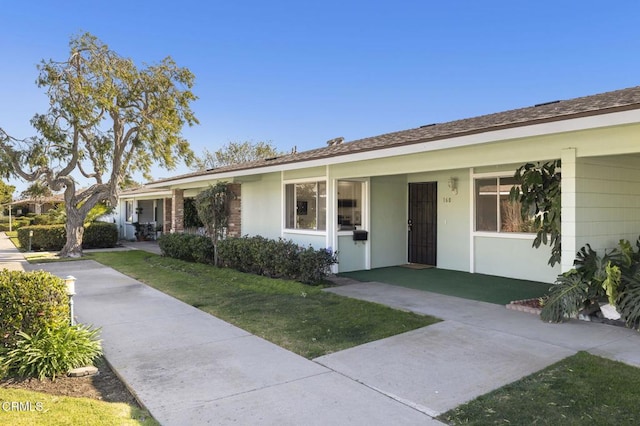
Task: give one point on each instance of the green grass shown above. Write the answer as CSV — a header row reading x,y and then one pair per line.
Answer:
x,y
44,409
13,236
580,390
485,288
298,317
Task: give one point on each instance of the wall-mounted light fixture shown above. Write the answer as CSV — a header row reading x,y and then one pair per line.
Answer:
x,y
453,185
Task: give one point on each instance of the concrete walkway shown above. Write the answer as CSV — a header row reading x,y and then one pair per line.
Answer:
x,y
188,367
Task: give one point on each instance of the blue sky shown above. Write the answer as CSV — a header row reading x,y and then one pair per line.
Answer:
x,y
300,73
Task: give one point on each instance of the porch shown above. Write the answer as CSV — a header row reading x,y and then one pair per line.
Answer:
x,y
480,287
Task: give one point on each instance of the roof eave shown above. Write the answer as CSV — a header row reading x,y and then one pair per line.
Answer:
x,y
626,114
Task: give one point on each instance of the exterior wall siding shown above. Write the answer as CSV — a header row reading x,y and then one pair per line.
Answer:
x,y
314,240
388,233
351,254
607,201
514,258
261,212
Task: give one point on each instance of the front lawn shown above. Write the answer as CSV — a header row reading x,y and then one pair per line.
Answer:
x,y
21,408
295,316
580,390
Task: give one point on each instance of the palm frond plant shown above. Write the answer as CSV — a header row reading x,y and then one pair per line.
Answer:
x,y
628,303
613,277
566,298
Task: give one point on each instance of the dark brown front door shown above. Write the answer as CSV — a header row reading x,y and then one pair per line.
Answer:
x,y
423,213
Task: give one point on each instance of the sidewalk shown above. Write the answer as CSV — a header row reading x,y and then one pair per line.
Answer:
x,y
188,367
10,257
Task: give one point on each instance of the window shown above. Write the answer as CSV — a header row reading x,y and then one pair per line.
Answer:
x,y
306,206
349,205
493,207
128,208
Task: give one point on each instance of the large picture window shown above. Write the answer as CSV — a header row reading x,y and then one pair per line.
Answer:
x,y
306,206
494,211
350,205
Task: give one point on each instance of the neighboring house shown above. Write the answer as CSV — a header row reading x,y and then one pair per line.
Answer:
x,y
39,205
143,206
437,194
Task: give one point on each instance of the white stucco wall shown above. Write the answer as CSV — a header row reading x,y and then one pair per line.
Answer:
x,y
262,206
351,254
317,241
514,258
388,234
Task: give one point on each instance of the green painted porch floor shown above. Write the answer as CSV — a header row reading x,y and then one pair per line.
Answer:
x,y
485,288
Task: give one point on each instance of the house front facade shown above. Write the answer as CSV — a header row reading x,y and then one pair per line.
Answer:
x,y
438,194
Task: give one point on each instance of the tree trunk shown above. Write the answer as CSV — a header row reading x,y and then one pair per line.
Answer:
x,y
75,231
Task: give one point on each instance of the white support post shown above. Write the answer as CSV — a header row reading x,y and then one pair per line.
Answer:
x,y
568,213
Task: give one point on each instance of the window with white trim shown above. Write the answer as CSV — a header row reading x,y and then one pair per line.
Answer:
x,y
350,204
306,206
494,211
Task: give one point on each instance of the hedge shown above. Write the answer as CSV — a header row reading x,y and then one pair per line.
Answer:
x,y
30,301
188,247
276,258
53,237
256,255
100,235
16,223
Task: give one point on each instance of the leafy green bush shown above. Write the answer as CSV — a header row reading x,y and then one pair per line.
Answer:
x,y
30,301
44,219
276,258
613,277
45,237
314,264
52,351
100,235
256,255
53,237
192,248
16,223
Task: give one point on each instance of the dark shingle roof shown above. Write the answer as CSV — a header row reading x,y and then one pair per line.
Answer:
x,y
619,100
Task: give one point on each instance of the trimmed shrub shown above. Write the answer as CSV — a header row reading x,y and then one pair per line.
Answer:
x,y
100,235
30,301
256,255
188,247
313,265
52,351
45,237
53,237
16,223
276,258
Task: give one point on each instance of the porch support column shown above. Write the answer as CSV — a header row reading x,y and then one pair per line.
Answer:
x,y
166,215
177,211
234,227
568,212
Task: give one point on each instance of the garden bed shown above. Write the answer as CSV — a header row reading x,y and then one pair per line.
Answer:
x,y
531,306
534,306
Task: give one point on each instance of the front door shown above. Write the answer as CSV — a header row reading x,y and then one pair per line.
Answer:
x,y
422,225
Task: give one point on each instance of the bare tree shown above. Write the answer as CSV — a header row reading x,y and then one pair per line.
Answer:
x,y
234,153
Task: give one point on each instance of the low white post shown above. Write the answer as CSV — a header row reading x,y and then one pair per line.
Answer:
x,y
70,281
